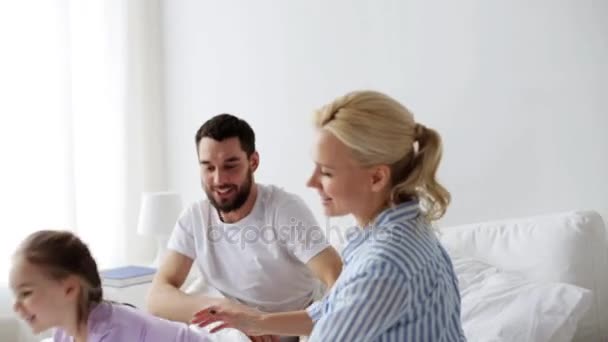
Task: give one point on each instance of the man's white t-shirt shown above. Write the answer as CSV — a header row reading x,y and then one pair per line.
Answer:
x,y
259,260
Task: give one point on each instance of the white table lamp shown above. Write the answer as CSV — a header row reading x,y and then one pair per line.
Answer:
x,y
157,217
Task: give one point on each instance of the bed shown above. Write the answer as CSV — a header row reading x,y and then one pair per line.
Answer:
x,y
561,256
537,279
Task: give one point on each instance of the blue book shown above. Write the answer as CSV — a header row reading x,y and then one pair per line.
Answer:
x,y
126,276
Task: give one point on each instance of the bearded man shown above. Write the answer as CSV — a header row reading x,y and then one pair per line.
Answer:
x,y
256,244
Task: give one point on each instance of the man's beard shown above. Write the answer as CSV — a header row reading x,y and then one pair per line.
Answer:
x,y
239,199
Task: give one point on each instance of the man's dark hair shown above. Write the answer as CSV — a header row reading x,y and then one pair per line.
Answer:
x,y
225,126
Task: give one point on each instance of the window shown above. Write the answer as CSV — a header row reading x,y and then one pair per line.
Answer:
x,y
36,188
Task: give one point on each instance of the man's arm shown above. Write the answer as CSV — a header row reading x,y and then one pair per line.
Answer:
x,y
310,245
326,266
165,298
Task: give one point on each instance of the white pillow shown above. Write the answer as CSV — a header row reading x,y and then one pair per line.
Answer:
x,y
567,247
505,306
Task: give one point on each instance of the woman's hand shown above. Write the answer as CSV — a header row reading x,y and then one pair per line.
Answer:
x,y
231,315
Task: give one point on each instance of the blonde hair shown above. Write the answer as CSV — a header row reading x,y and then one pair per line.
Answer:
x,y
381,131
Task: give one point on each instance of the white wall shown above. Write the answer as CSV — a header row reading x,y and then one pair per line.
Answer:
x,y
519,90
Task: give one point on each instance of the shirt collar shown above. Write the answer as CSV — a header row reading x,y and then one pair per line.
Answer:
x,y
400,212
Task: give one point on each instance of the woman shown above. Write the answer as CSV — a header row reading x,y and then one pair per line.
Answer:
x,y
397,284
57,285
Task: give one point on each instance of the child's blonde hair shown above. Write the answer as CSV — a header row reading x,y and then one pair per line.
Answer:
x,y
379,130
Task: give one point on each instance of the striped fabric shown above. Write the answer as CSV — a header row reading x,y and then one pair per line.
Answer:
x,y
397,284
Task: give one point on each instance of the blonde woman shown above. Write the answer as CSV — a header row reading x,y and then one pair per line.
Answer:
x,y
398,284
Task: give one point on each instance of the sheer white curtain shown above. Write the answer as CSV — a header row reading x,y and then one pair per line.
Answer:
x,y
36,179
81,124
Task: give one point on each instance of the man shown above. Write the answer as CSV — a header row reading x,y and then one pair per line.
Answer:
x,y
256,244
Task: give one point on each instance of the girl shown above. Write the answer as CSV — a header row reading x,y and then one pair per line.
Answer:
x,y
375,162
56,284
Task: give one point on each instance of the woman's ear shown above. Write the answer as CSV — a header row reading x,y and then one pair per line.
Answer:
x,y
381,178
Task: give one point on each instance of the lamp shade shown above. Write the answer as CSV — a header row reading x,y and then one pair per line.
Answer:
x,y
159,212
